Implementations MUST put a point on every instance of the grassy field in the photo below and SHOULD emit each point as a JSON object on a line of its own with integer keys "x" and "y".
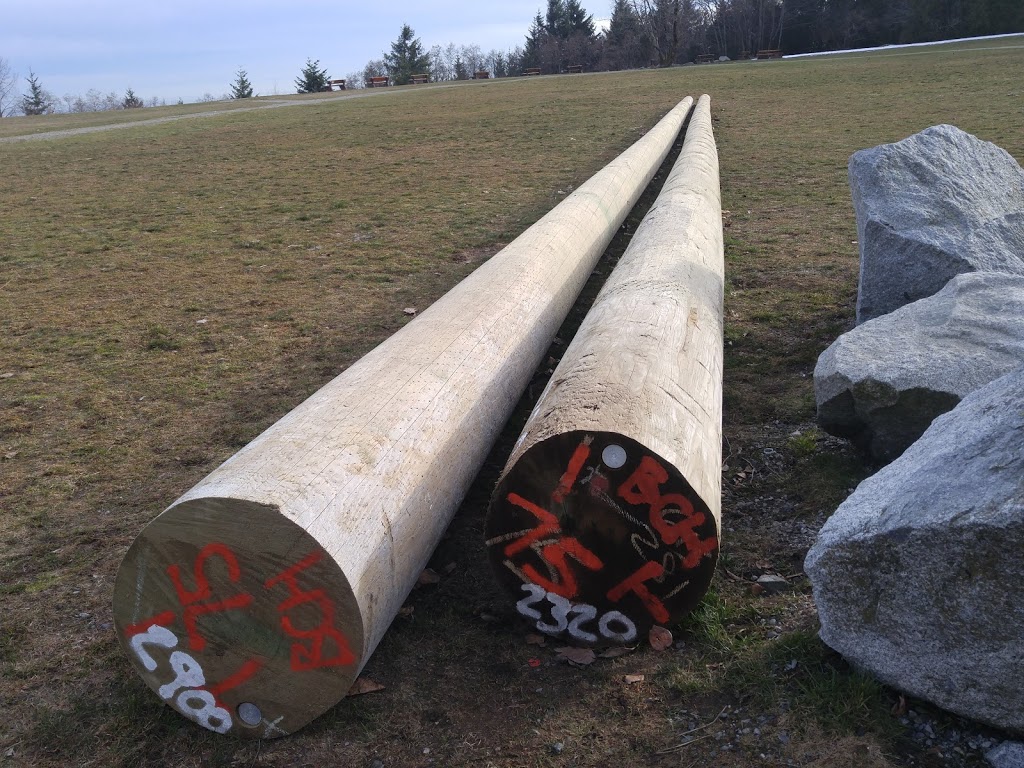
{"x": 168, "y": 291}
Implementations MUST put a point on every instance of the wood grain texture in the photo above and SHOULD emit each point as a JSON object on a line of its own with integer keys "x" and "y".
{"x": 610, "y": 504}
{"x": 253, "y": 601}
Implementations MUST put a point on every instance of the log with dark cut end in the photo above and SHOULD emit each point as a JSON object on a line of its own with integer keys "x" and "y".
{"x": 606, "y": 519}
{"x": 251, "y": 604}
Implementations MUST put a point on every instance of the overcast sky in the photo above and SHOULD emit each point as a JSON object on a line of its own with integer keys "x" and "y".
{"x": 186, "y": 48}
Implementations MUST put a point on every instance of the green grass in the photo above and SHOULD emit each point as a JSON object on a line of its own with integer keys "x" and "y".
{"x": 168, "y": 291}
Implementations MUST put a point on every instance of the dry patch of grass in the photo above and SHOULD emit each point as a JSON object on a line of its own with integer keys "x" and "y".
{"x": 168, "y": 291}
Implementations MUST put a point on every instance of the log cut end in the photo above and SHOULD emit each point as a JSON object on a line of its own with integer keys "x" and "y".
{"x": 599, "y": 538}
{"x": 238, "y": 618}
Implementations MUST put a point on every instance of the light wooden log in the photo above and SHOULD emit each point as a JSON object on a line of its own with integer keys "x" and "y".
{"x": 253, "y": 601}
{"x": 606, "y": 519}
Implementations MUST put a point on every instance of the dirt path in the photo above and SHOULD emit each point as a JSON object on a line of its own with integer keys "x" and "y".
{"x": 275, "y": 104}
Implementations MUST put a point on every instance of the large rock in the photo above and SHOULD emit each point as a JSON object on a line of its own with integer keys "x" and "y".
{"x": 884, "y": 382}
{"x": 932, "y": 206}
{"x": 919, "y": 575}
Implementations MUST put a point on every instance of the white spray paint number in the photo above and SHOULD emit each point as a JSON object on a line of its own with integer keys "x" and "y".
{"x": 570, "y": 617}
{"x": 193, "y": 702}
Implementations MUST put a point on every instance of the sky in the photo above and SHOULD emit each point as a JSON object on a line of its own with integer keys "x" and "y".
{"x": 184, "y": 49}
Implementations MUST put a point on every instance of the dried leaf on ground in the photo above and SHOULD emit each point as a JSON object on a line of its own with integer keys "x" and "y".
{"x": 429, "y": 576}
{"x": 535, "y": 640}
{"x": 581, "y": 657}
{"x": 364, "y": 685}
{"x": 409, "y": 311}
{"x": 659, "y": 638}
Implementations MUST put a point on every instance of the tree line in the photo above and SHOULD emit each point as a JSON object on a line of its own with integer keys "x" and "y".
{"x": 640, "y": 33}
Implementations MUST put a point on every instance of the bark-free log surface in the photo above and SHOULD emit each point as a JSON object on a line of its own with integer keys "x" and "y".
{"x": 252, "y": 602}
{"x": 606, "y": 519}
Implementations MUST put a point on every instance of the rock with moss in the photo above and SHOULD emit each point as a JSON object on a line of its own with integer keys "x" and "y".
{"x": 917, "y": 576}
{"x": 937, "y": 204}
{"x": 884, "y": 382}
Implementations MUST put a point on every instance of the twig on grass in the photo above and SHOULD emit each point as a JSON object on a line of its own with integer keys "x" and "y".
{"x": 683, "y": 745}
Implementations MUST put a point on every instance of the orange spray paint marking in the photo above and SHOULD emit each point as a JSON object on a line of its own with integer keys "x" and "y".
{"x": 190, "y": 598}
{"x": 565, "y": 484}
{"x": 310, "y": 656}
{"x": 635, "y": 583}
{"x": 161, "y": 619}
{"x": 246, "y": 671}
{"x": 548, "y": 525}
{"x": 556, "y": 555}
{"x": 644, "y": 487}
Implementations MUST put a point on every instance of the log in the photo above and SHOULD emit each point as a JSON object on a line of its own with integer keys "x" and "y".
{"x": 606, "y": 519}
{"x": 251, "y": 604}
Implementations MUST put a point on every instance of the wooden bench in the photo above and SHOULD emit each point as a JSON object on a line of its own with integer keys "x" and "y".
{"x": 377, "y": 82}
{"x": 332, "y": 84}
{"x": 769, "y": 54}
{"x": 419, "y": 79}
{"x": 575, "y": 69}
{"x": 531, "y": 71}
{"x": 705, "y": 58}
{"x": 482, "y": 75}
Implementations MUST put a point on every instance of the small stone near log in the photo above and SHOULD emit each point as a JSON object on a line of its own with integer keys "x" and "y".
{"x": 917, "y": 576}
{"x": 932, "y": 206}
{"x": 884, "y": 382}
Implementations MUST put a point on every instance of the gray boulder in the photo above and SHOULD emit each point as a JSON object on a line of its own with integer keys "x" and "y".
{"x": 919, "y": 575}
{"x": 932, "y": 206}
{"x": 884, "y": 382}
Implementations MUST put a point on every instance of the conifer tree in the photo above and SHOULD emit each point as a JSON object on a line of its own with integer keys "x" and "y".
{"x": 312, "y": 79}
{"x": 131, "y": 101}
{"x": 407, "y": 57}
{"x": 241, "y": 88}
{"x": 36, "y": 101}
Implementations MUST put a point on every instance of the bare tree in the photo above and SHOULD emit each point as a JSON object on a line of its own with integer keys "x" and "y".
{"x": 8, "y": 80}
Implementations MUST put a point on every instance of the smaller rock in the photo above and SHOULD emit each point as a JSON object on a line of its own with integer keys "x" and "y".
{"x": 1009, "y": 754}
{"x": 409, "y": 311}
{"x": 772, "y": 583}
{"x": 557, "y": 748}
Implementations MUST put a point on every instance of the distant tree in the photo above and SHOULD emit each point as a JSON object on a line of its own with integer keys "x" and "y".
{"x": 556, "y": 20}
{"x": 8, "y": 81}
{"x": 577, "y": 20}
{"x": 626, "y": 46}
{"x": 37, "y": 101}
{"x": 241, "y": 88}
{"x": 535, "y": 38}
{"x": 131, "y": 101}
{"x": 312, "y": 79}
{"x": 407, "y": 57}
{"x": 374, "y": 68}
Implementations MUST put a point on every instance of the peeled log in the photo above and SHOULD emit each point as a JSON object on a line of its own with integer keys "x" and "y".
{"x": 606, "y": 519}
{"x": 253, "y": 601}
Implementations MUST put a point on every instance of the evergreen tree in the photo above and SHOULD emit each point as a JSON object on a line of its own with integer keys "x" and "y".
{"x": 577, "y": 19}
{"x": 556, "y": 22}
{"x": 534, "y": 40}
{"x": 36, "y": 101}
{"x": 312, "y": 79}
{"x": 407, "y": 57}
{"x": 242, "y": 88}
{"x": 131, "y": 101}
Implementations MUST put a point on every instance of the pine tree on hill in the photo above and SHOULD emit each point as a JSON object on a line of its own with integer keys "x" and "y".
{"x": 36, "y": 101}
{"x": 407, "y": 57}
{"x": 131, "y": 101}
{"x": 242, "y": 88}
{"x": 312, "y": 79}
